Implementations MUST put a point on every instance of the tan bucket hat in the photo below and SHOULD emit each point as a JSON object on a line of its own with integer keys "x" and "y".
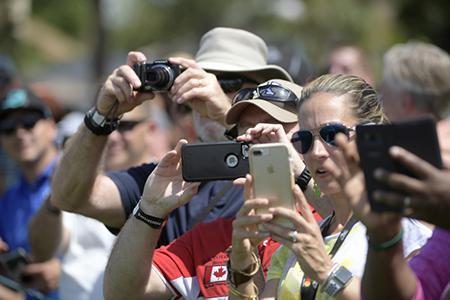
{"x": 225, "y": 49}
{"x": 284, "y": 114}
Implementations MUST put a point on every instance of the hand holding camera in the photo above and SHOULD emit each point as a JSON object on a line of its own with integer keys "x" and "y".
{"x": 118, "y": 94}
{"x": 201, "y": 90}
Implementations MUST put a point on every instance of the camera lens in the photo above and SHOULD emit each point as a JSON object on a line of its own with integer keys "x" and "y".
{"x": 231, "y": 160}
{"x": 160, "y": 77}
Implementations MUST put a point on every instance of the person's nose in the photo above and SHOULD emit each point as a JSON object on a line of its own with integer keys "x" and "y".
{"x": 318, "y": 148}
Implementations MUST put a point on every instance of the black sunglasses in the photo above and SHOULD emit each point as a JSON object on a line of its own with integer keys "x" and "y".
{"x": 27, "y": 121}
{"x": 125, "y": 126}
{"x": 276, "y": 94}
{"x": 303, "y": 139}
{"x": 231, "y": 84}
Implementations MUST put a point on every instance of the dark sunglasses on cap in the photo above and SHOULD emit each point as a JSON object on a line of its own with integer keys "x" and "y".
{"x": 27, "y": 121}
{"x": 276, "y": 94}
{"x": 231, "y": 84}
{"x": 126, "y": 125}
{"x": 303, "y": 139}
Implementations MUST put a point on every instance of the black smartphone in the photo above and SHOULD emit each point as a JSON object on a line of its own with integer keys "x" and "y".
{"x": 214, "y": 161}
{"x": 373, "y": 141}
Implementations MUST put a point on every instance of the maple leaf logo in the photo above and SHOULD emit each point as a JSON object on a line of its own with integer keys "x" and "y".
{"x": 220, "y": 272}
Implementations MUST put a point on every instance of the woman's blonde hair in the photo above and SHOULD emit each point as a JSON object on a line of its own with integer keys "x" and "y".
{"x": 363, "y": 99}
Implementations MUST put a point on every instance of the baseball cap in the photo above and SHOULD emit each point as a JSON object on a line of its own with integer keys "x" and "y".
{"x": 272, "y": 97}
{"x": 224, "y": 49}
{"x": 23, "y": 99}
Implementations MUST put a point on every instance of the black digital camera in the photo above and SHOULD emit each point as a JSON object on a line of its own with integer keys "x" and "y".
{"x": 157, "y": 76}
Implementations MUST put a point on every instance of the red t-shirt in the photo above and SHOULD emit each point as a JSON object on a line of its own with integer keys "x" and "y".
{"x": 194, "y": 265}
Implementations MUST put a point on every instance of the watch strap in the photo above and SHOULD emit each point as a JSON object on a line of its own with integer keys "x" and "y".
{"x": 303, "y": 179}
{"x": 99, "y": 124}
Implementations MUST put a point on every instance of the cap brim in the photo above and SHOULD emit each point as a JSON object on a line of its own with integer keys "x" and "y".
{"x": 267, "y": 72}
{"x": 8, "y": 111}
{"x": 275, "y": 111}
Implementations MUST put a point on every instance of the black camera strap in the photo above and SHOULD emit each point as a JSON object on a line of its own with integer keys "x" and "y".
{"x": 211, "y": 204}
{"x": 308, "y": 288}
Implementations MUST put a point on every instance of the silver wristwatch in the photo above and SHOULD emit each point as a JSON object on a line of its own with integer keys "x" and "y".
{"x": 337, "y": 280}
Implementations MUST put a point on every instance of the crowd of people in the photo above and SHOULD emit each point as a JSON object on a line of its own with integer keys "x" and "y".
{"x": 100, "y": 209}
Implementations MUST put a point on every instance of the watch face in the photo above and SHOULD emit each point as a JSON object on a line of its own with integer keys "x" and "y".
{"x": 343, "y": 275}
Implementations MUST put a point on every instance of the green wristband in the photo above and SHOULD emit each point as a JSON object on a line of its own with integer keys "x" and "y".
{"x": 388, "y": 244}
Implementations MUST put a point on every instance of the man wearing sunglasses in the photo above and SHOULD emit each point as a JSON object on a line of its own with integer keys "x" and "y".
{"x": 27, "y": 134}
{"x": 227, "y": 60}
{"x": 139, "y": 138}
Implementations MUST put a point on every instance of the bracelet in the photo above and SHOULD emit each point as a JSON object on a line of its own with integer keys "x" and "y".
{"x": 236, "y": 278}
{"x": 388, "y": 244}
{"x": 303, "y": 179}
{"x": 241, "y": 295}
{"x": 99, "y": 124}
{"x": 152, "y": 221}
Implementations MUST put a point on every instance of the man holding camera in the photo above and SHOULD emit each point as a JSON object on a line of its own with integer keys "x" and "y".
{"x": 228, "y": 55}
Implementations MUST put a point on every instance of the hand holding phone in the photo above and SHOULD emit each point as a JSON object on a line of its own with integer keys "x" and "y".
{"x": 272, "y": 177}
{"x": 373, "y": 141}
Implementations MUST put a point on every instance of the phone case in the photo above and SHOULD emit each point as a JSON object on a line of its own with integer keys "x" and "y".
{"x": 272, "y": 176}
{"x": 373, "y": 141}
{"x": 214, "y": 161}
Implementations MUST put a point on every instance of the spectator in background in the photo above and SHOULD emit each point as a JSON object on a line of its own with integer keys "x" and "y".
{"x": 82, "y": 243}
{"x": 27, "y": 133}
{"x": 139, "y": 139}
{"x": 8, "y": 81}
{"x": 416, "y": 82}
{"x": 350, "y": 60}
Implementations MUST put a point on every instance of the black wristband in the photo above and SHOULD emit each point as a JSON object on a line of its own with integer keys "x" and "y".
{"x": 303, "y": 179}
{"x": 153, "y": 222}
{"x": 98, "y": 124}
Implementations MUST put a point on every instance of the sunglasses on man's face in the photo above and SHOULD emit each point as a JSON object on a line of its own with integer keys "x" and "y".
{"x": 275, "y": 94}
{"x": 232, "y": 84}
{"x": 303, "y": 139}
{"x": 26, "y": 121}
{"x": 125, "y": 126}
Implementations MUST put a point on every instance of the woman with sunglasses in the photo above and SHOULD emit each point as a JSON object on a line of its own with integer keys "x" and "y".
{"x": 315, "y": 261}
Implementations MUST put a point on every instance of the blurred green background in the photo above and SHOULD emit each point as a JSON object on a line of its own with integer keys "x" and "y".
{"x": 70, "y": 46}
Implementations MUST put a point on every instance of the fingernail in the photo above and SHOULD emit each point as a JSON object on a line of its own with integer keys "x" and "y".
{"x": 394, "y": 150}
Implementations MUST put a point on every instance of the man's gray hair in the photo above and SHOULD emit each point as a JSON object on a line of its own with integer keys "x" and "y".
{"x": 423, "y": 71}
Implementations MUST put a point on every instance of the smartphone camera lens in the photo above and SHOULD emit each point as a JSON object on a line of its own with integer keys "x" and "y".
{"x": 231, "y": 160}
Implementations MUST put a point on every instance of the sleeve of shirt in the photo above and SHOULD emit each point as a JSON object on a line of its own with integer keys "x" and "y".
{"x": 432, "y": 264}
{"x": 415, "y": 235}
{"x": 277, "y": 263}
{"x": 131, "y": 185}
